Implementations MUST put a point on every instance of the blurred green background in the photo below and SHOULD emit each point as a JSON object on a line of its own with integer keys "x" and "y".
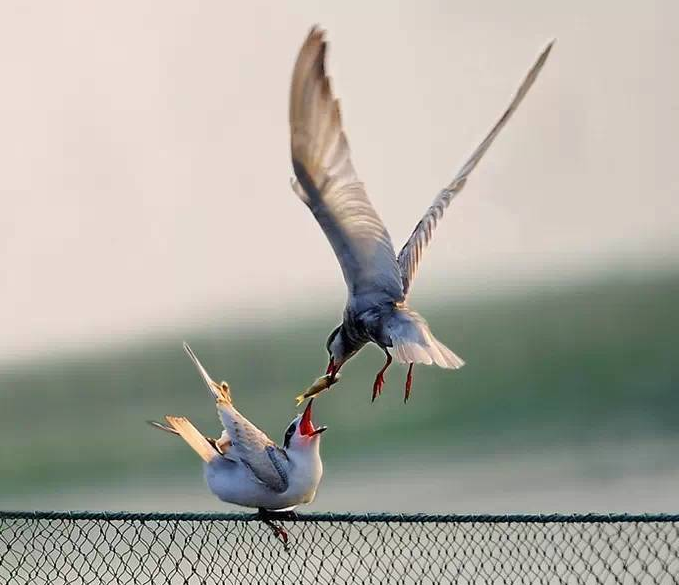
{"x": 577, "y": 383}
{"x": 145, "y": 201}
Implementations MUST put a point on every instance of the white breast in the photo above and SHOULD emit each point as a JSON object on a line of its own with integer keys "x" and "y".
{"x": 233, "y": 482}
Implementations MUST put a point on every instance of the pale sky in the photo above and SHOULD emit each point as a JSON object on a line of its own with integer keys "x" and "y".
{"x": 145, "y": 153}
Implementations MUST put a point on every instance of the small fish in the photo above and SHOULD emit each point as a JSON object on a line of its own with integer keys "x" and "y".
{"x": 320, "y": 385}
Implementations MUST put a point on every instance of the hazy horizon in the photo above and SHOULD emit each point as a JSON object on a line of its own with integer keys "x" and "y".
{"x": 146, "y": 163}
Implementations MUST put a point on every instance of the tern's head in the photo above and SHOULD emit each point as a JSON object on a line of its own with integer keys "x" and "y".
{"x": 301, "y": 435}
{"x": 339, "y": 349}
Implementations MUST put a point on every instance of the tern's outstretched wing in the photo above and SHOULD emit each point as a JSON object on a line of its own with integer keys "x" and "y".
{"x": 328, "y": 184}
{"x": 409, "y": 257}
{"x": 248, "y": 444}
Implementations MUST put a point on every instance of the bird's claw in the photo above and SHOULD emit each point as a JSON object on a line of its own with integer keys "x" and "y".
{"x": 282, "y": 535}
{"x": 279, "y": 532}
{"x": 378, "y": 385}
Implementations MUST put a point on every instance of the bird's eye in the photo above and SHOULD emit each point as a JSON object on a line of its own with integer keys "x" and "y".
{"x": 288, "y": 435}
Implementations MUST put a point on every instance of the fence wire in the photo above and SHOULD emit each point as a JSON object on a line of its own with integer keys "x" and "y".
{"x": 55, "y": 548}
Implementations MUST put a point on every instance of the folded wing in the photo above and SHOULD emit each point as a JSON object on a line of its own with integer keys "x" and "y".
{"x": 248, "y": 444}
{"x": 328, "y": 184}
{"x": 410, "y": 255}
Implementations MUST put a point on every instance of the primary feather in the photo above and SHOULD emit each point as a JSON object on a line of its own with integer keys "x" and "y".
{"x": 328, "y": 184}
{"x": 411, "y": 253}
{"x": 248, "y": 443}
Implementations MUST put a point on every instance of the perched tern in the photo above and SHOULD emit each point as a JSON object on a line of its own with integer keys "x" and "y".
{"x": 378, "y": 281}
{"x": 244, "y": 466}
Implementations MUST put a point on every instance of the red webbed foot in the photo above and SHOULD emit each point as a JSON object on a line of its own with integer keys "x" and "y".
{"x": 378, "y": 385}
{"x": 278, "y": 531}
{"x": 379, "y": 379}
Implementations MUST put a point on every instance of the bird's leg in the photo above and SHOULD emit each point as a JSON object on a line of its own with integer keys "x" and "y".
{"x": 379, "y": 379}
{"x": 409, "y": 382}
{"x": 279, "y": 532}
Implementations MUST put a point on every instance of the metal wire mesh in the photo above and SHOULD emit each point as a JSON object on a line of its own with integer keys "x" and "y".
{"x": 55, "y": 548}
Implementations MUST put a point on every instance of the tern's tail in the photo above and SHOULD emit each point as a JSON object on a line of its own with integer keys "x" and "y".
{"x": 221, "y": 392}
{"x": 183, "y": 427}
{"x": 414, "y": 343}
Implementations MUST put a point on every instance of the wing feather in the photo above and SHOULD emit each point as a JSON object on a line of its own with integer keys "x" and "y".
{"x": 248, "y": 443}
{"x": 195, "y": 439}
{"x": 328, "y": 184}
{"x": 410, "y": 255}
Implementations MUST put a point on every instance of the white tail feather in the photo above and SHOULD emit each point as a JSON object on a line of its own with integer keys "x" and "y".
{"x": 410, "y": 352}
{"x": 183, "y": 427}
{"x": 414, "y": 343}
{"x": 452, "y": 360}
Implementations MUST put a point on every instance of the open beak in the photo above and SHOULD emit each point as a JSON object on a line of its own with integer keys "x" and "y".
{"x": 306, "y": 427}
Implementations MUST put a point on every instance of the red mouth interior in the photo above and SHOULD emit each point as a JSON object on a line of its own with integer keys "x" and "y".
{"x": 306, "y": 427}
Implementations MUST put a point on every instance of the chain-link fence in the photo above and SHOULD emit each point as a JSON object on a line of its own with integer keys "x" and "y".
{"x": 55, "y": 548}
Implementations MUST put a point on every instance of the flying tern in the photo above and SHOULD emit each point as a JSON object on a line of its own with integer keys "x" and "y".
{"x": 378, "y": 280}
